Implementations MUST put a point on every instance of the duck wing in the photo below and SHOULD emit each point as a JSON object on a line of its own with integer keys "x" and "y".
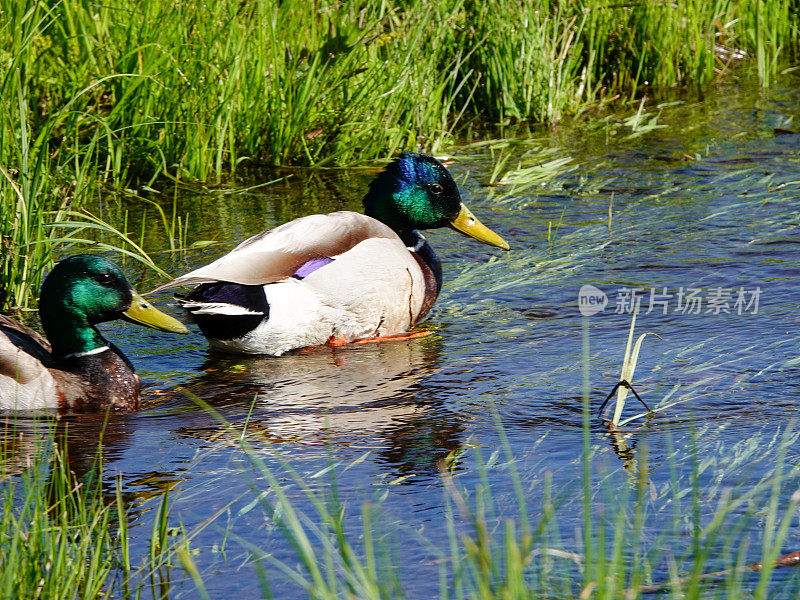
{"x": 26, "y": 382}
{"x": 276, "y": 254}
{"x": 24, "y": 353}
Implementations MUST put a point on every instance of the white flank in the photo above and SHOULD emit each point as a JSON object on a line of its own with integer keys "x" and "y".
{"x": 25, "y": 383}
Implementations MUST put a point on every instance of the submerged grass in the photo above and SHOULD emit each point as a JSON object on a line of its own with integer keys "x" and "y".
{"x": 690, "y": 537}
{"x": 61, "y": 536}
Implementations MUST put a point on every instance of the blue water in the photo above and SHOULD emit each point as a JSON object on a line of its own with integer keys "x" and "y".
{"x": 710, "y": 202}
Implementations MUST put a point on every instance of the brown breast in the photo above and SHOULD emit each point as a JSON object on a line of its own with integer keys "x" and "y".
{"x": 431, "y": 287}
{"x": 97, "y": 381}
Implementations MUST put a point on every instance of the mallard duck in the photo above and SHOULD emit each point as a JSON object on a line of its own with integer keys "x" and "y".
{"x": 76, "y": 369}
{"x": 335, "y": 278}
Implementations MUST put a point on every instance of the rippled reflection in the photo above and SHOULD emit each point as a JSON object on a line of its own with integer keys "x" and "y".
{"x": 361, "y": 395}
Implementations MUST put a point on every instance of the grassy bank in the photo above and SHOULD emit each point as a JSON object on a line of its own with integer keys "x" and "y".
{"x": 126, "y": 91}
{"x": 193, "y": 88}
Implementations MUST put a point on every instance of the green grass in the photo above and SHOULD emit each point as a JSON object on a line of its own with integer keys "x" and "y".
{"x": 193, "y": 88}
{"x": 690, "y": 537}
{"x": 53, "y": 551}
{"x": 61, "y": 536}
{"x": 103, "y": 95}
{"x": 697, "y": 535}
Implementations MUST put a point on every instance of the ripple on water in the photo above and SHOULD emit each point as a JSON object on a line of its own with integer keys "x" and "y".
{"x": 709, "y": 202}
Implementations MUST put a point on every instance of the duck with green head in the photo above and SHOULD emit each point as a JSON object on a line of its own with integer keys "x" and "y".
{"x": 339, "y": 277}
{"x": 75, "y": 368}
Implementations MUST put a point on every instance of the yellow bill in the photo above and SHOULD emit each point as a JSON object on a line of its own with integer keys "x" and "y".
{"x": 141, "y": 311}
{"x": 467, "y": 224}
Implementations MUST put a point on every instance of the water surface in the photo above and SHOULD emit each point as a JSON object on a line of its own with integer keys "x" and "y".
{"x": 709, "y": 201}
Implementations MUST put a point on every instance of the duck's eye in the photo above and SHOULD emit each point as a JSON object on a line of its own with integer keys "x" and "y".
{"x": 436, "y": 188}
{"x": 103, "y": 278}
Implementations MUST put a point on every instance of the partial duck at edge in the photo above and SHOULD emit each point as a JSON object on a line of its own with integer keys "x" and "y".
{"x": 75, "y": 368}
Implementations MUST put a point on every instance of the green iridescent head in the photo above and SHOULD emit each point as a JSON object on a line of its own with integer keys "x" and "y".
{"x": 416, "y": 191}
{"x": 84, "y": 290}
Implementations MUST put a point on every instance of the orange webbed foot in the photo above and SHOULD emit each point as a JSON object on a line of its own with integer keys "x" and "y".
{"x": 409, "y": 335}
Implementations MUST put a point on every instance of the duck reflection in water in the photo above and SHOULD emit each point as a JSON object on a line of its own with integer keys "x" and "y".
{"x": 73, "y": 453}
{"x": 370, "y": 396}
{"x": 357, "y": 397}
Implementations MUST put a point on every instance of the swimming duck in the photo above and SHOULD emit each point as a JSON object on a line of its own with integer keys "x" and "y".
{"x": 339, "y": 277}
{"x": 77, "y": 369}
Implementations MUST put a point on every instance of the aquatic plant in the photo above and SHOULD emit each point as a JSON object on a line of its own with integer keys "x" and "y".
{"x": 497, "y": 550}
{"x": 624, "y": 385}
{"x": 61, "y": 536}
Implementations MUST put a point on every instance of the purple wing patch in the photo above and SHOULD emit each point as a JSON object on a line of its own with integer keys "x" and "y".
{"x": 312, "y": 265}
